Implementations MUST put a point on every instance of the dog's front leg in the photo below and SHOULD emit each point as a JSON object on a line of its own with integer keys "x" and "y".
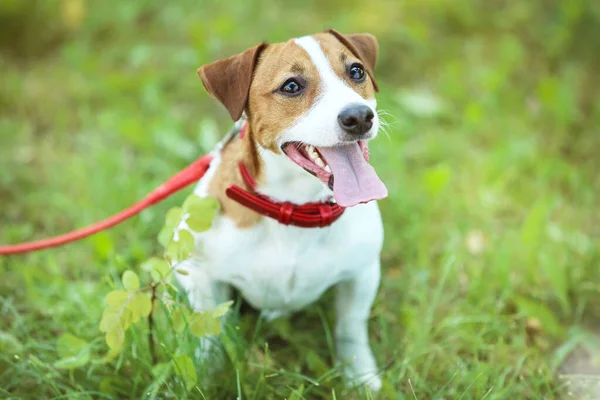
{"x": 204, "y": 293}
{"x": 353, "y": 305}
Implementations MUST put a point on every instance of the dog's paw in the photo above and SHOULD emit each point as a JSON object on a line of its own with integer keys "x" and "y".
{"x": 373, "y": 383}
{"x": 369, "y": 379}
{"x": 360, "y": 366}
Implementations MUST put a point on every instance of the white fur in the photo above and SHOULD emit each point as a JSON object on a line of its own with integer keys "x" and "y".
{"x": 281, "y": 269}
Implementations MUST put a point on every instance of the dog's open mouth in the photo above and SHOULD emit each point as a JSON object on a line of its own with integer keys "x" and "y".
{"x": 344, "y": 168}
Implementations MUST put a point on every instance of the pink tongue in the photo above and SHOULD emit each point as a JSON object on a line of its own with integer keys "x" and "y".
{"x": 354, "y": 180}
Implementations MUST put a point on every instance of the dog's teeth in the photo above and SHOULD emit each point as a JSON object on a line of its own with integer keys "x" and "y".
{"x": 320, "y": 162}
{"x": 313, "y": 155}
{"x": 327, "y": 168}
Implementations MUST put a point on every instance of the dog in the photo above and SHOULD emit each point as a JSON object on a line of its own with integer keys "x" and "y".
{"x": 298, "y": 197}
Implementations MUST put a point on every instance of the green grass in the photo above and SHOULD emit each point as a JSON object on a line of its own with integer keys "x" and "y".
{"x": 490, "y": 265}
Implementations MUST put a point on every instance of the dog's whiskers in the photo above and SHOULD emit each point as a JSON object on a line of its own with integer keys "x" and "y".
{"x": 384, "y": 123}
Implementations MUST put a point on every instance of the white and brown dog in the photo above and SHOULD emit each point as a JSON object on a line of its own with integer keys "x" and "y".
{"x": 309, "y": 111}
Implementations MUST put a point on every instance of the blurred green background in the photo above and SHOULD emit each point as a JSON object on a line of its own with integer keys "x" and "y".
{"x": 491, "y": 285}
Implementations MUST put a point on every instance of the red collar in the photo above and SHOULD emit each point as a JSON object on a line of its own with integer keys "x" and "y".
{"x": 309, "y": 215}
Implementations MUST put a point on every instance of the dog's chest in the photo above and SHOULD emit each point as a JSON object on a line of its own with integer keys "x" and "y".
{"x": 284, "y": 268}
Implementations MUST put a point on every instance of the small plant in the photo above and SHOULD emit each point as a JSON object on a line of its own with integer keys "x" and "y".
{"x": 135, "y": 302}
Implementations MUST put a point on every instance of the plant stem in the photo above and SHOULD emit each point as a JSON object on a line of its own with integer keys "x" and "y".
{"x": 151, "y": 327}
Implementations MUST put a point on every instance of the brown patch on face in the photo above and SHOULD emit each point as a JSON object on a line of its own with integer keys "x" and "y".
{"x": 341, "y": 58}
{"x": 269, "y": 111}
{"x": 362, "y": 45}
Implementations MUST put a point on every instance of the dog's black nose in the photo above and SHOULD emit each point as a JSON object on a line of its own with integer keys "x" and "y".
{"x": 356, "y": 119}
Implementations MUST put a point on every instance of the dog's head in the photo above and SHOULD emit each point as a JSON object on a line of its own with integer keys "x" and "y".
{"x": 313, "y": 99}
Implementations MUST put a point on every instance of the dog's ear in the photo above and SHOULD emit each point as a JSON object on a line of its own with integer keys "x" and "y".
{"x": 229, "y": 80}
{"x": 364, "y": 46}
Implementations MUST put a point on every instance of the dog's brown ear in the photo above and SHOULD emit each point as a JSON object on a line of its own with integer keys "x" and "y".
{"x": 229, "y": 80}
{"x": 364, "y": 46}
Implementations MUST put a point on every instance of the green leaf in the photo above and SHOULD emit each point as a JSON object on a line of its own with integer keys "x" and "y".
{"x": 550, "y": 323}
{"x": 131, "y": 281}
{"x": 73, "y": 362}
{"x": 201, "y": 206}
{"x": 161, "y": 370}
{"x": 165, "y": 236}
{"x": 186, "y": 243}
{"x": 110, "y": 318}
{"x": 199, "y": 223}
{"x": 126, "y": 318}
{"x": 203, "y": 323}
{"x": 182, "y": 248}
{"x": 180, "y": 318}
{"x": 221, "y": 309}
{"x": 117, "y": 298}
{"x": 159, "y": 269}
{"x": 75, "y": 352}
{"x": 140, "y": 306}
{"x": 69, "y": 345}
{"x": 192, "y": 203}
{"x": 184, "y": 368}
{"x": 135, "y": 315}
{"x": 171, "y": 221}
{"x": 172, "y": 252}
{"x": 115, "y": 337}
{"x": 173, "y": 217}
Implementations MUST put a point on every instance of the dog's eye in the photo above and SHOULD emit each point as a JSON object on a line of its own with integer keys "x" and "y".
{"x": 356, "y": 72}
{"x": 291, "y": 87}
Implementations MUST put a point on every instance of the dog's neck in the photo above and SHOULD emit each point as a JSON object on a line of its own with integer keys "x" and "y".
{"x": 280, "y": 178}
{"x": 283, "y": 180}
{"x": 275, "y": 175}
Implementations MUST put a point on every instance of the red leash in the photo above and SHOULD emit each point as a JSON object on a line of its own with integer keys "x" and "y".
{"x": 182, "y": 179}
{"x": 309, "y": 215}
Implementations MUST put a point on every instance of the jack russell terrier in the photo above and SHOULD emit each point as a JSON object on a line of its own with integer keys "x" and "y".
{"x": 296, "y": 159}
